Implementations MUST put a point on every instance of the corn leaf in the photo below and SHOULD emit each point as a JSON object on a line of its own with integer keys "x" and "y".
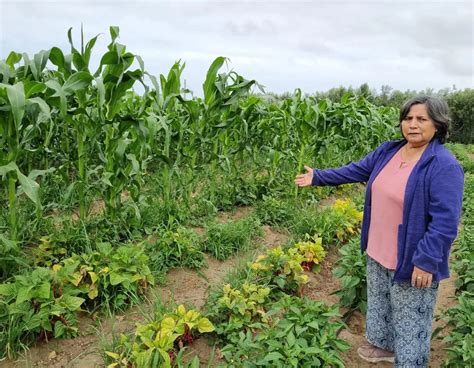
{"x": 16, "y": 97}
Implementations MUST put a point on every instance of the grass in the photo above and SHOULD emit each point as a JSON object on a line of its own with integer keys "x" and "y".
{"x": 224, "y": 240}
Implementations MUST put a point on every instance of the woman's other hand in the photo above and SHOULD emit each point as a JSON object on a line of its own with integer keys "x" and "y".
{"x": 304, "y": 180}
{"x": 420, "y": 278}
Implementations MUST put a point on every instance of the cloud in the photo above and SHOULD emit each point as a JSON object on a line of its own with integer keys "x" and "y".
{"x": 313, "y": 45}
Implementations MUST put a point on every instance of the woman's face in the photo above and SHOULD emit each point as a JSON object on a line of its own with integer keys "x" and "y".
{"x": 417, "y": 127}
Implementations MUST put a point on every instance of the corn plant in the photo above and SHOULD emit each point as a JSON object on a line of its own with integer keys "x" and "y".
{"x": 13, "y": 128}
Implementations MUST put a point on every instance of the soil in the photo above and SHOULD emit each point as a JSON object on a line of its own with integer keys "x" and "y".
{"x": 191, "y": 288}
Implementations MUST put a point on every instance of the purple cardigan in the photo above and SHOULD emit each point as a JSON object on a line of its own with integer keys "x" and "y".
{"x": 432, "y": 205}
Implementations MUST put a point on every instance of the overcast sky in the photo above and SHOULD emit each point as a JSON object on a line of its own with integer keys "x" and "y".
{"x": 312, "y": 45}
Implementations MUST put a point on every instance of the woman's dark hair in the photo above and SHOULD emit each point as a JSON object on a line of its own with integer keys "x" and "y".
{"x": 437, "y": 110}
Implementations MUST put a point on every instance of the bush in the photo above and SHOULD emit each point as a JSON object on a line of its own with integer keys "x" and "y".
{"x": 461, "y": 106}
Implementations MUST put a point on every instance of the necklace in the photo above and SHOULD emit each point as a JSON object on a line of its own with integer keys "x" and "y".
{"x": 405, "y": 162}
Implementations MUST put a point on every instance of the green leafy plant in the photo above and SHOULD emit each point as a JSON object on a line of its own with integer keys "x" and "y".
{"x": 36, "y": 306}
{"x": 351, "y": 269}
{"x": 175, "y": 248}
{"x": 281, "y": 270}
{"x": 312, "y": 251}
{"x": 112, "y": 277}
{"x": 157, "y": 343}
{"x": 303, "y": 334}
{"x": 460, "y": 340}
{"x": 240, "y": 309}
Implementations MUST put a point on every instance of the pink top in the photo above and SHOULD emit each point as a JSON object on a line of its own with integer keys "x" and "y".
{"x": 388, "y": 192}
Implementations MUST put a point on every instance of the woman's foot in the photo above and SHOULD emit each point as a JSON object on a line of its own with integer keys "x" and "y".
{"x": 373, "y": 354}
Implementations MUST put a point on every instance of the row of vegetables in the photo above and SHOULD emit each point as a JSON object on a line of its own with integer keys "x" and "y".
{"x": 261, "y": 317}
{"x": 44, "y": 303}
{"x": 460, "y": 318}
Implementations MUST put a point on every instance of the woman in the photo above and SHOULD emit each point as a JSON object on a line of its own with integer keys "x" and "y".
{"x": 411, "y": 214}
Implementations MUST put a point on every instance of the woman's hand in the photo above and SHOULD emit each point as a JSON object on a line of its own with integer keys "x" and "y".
{"x": 420, "y": 278}
{"x": 304, "y": 180}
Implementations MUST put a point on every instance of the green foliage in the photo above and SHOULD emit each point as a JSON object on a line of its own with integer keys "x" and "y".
{"x": 303, "y": 333}
{"x": 240, "y": 309}
{"x": 275, "y": 211}
{"x": 36, "y": 305}
{"x": 202, "y": 210}
{"x": 464, "y": 154}
{"x": 460, "y": 340}
{"x": 148, "y": 157}
{"x": 464, "y": 264}
{"x": 460, "y": 102}
{"x": 464, "y": 249}
{"x": 281, "y": 270}
{"x": 157, "y": 343}
{"x": 12, "y": 258}
{"x": 175, "y": 248}
{"x": 110, "y": 277}
{"x": 335, "y": 224}
{"x": 461, "y": 106}
{"x": 224, "y": 240}
{"x": 351, "y": 270}
{"x": 312, "y": 251}
{"x": 48, "y": 253}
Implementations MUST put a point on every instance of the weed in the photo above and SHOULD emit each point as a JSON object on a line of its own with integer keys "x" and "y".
{"x": 224, "y": 240}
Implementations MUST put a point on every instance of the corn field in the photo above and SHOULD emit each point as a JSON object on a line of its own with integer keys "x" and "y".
{"x": 95, "y": 138}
